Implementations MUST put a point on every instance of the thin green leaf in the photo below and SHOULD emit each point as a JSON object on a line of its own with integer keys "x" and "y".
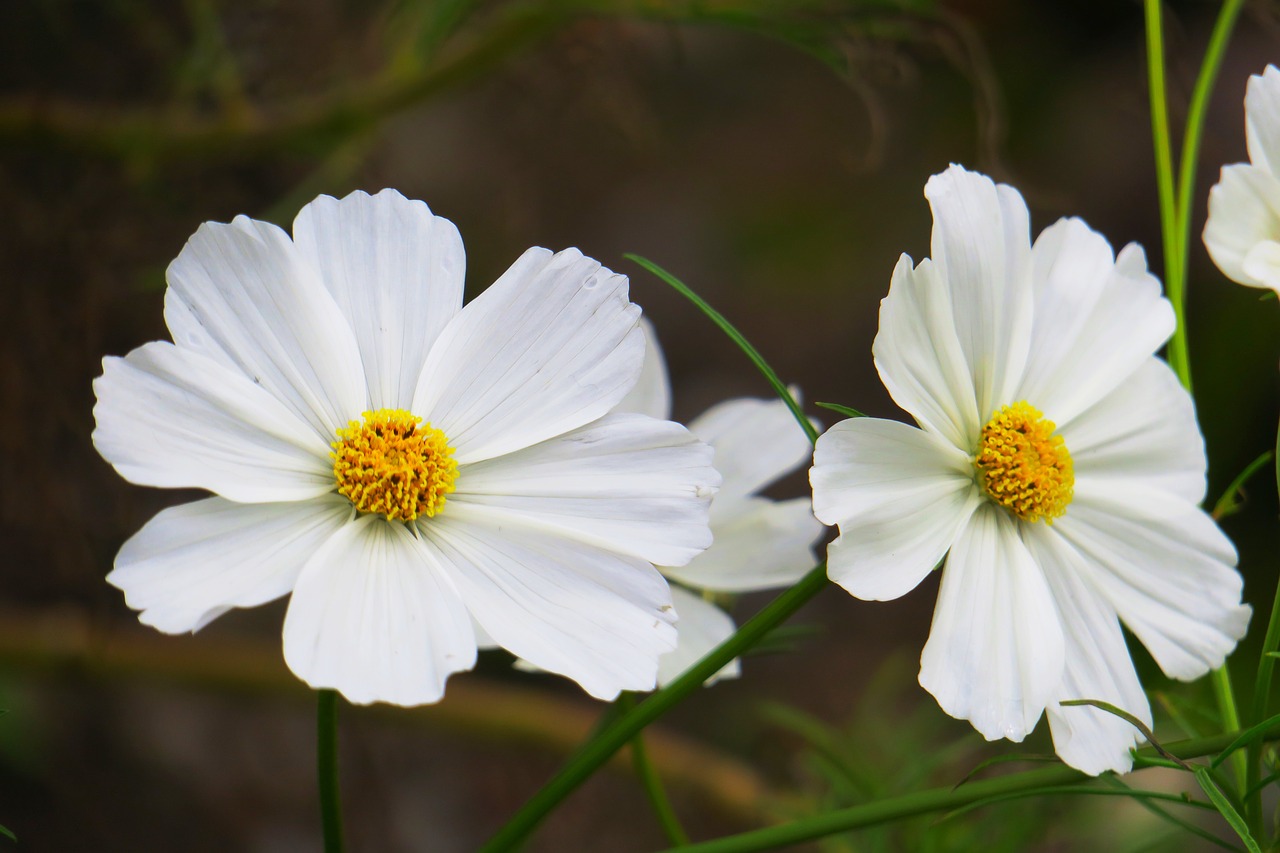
{"x": 1233, "y": 498}
{"x": 839, "y": 409}
{"x": 1260, "y": 784}
{"x": 1078, "y": 790}
{"x": 1224, "y": 807}
{"x": 1249, "y": 736}
{"x": 1006, "y": 759}
{"x": 8, "y": 834}
{"x": 1133, "y": 721}
{"x": 734, "y": 335}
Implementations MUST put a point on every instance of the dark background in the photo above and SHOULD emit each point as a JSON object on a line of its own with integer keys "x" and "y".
{"x": 772, "y": 155}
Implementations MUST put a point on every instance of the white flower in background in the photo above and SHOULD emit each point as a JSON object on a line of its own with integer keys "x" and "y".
{"x": 759, "y": 543}
{"x": 1243, "y": 230}
{"x": 398, "y": 463}
{"x": 1058, "y": 467}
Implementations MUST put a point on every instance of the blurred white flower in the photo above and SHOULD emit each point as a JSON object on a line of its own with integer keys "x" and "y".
{"x": 759, "y": 543}
{"x": 400, "y": 464}
{"x": 1058, "y": 467}
{"x": 1242, "y": 233}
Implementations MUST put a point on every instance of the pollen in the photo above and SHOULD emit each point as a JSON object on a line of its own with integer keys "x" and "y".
{"x": 394, "y": 465}
{"x": 1023, "y": 466}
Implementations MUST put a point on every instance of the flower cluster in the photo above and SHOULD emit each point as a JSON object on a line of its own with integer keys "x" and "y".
{"x": 425, "y": 478}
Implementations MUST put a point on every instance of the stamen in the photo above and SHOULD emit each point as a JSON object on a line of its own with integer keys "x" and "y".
{"x": 1023, "y": 466}
{"x": 394, "y": 465}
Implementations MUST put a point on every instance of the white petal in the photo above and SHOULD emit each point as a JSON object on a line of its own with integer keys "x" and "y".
{"x": 192, "y": 563}
{"x": 995, "y": 650}
{"x": 1262, "y": 119}
{"x": 1244, "y": 212}
{"x": 900, "y": 496}
{"x": 982, "y": 248}
{"x": 652, "y": 394}
{"x": 1098, "y": 665}
{"x": 756, "y": 442}
{"x": 702, "y": 627}
{"x": 1165, "y": 567}
{"x": 553, "y": 344}
{"x": 598, "y": 618}
{"x": 1145, "y": 429}
{"x": 919, "y": 358}
{"x": 762, "y": 545}
{"x": 1096, "y": 319}
{"x": 396, "y": 272}
{"x": 375, "y": 618}
{"x": 241, "y": 294}
{"x": 169, "y": 417}
{"x": 627, "y": 483}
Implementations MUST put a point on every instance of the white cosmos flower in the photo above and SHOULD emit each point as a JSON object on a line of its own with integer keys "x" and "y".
{"x": 1058, "y": 467}
{"x": 1242, "y": 233}
{"x": 400, "y": 464}
{"x": 759, "y": 543}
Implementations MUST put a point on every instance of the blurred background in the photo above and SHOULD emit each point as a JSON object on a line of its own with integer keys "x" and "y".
{"x": 771, "y": 154}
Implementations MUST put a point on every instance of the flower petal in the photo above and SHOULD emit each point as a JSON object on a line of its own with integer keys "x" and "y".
{"x": 702, "y": 627}
{"x": 756, "y": 442}
{"x": 395, "y": 271}
{"x": 170, "y": 417}
{"x": 1244, "y": 212}
{"x": 552, "y": 345}
{"x": 900, "y": 495}
{"x": 242, "y": 295}
{"x": 626, "y": 483}
{"x": 1097, "y": 319}
{"x": 982, "y": 248}
{"x": 1098, "y": 665}
{"x": 565, "y": 607}
{"x": 762, "y": 545}
{"x": 1165, "y": 567}
{"x": 1262, "y": 119}
{"x": 652, "y": 393}
{"x": 1145, "y": 429}
{"x": 919, "y": 357}
{"x": 193, "y": 562}
{"x": 995, "y": 652}
{"x": 375, "y": 618}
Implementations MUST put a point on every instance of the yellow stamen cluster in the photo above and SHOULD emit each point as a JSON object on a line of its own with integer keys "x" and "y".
{"x": 1023, "y": 466}
{"x": 391, "y": 465}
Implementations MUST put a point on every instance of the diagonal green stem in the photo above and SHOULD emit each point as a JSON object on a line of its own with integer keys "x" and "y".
{"x": 327, "y": 769}
{"x": 597, "y": 751}
{"x": 657, "y": 795}
{"x": 891, "y": 809}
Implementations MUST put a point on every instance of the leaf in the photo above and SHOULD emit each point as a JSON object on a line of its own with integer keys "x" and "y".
{"x": 1224, "y": 807}
{"x": 1233, "y": 498}
{"x": 1247, "y": 737}
{"x": 842, "y": 410}
{"x": 8, "y": 834}
{"x": 1006, "y": 759}
{"x": 1185, "y": 825}
{"x": 1133, "y": 721}
{"x": 734, "y": 335}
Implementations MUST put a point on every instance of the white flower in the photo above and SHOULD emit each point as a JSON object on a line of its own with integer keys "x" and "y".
{"x": 1243, "y": 230}
{"x": 398, "y": 463}
{"x": 1058, "y": 467}
{"x": 759, "y": 543}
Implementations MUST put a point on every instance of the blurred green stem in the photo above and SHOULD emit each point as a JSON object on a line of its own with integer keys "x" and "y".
{"x": 1252, "y": 792}
{"x": 1175, "y": 226}
{"x": 327, "y": 769}
{"x": 653, "y": 789}
{"x": 1048, "y": 780}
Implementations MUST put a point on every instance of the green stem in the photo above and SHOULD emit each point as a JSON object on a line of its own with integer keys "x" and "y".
{"x": 1252, "y": 791}
{"x": 944, "y": 799}
{"x": 597, "y": 751}
{"x": 1178, "y": 359}
{"x": 649, "y": 778}
{"x": 327, "y": 769}
{"x": 1175, "y": 225}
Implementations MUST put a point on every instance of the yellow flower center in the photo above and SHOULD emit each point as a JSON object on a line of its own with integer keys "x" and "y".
{"x": 391, "y": 465}
{"x": 1023, "y": 466}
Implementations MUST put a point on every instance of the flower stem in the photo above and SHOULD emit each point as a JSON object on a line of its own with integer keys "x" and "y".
{"x": 327, "y": 769}
{"x": 1175, "y": 226}
{"x": 657, "y": 796}
{"x": 600, "y": 748}
{"x": 1252, "y": 792}
{"x": 1049, "y": 780}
